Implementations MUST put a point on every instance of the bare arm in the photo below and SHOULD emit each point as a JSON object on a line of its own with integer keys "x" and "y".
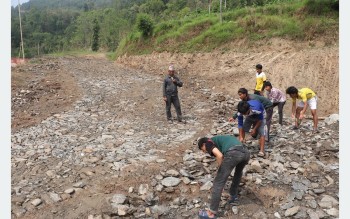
{"x": 219, "y": 156}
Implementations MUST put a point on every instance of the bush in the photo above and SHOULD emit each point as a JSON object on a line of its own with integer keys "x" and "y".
{"x": 320, "y": 7}
{"x": 145, "y": 24}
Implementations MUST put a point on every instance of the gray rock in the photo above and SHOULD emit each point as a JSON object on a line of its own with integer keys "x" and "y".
{"x": 36, "y": 202}
{"x": 118, "y": 199}
{"x": 55, "y": 197}
{"x": 170, "y": 181}
{"x": 332, "y": 119}
{"x": 172, "y": 173}
{"x": 312, "y": 214}
{"x": 143, "y": 189}
{"x": 69, "y": 191}
{"x": 333, "y": 212}
{"x": 291, "y": 211}
{"x": 79, "y": 185}
{"x": 159, "y": 209}
{"x": 328, "y": 202}
{"x": 207, "y": 186}
{"x": 234, "y": 209}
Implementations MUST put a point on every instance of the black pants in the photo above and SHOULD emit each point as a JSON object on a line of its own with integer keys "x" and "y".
{"x": 269, "y": 112}
{"x": 280, "y": 111}
{"x": 174, "y": 100}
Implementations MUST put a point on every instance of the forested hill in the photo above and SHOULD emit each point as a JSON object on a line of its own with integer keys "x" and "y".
{"x": 143, "y": 26}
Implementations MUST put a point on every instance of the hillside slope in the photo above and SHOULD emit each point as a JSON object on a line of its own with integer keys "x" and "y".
{"x": 286, "y": 63}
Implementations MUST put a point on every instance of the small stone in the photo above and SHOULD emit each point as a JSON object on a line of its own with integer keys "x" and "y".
{"x": 170, "y": 181}
{"x": 172, "y": 173}
{"x": 69, "y": 191}
{"x": 36, "y": 202}
{"x": 143, "y": 189}
{"x": 277, "y": 215}
{"x": 234, "y": 209}
{"x": 206, "y": 186}
{"x": 333, "y": 212}
{"x": 118, "y": 199}
{"x": 55, "y": 197}
{"x": 291, "y": 211}
{"x": 79, "y": 185}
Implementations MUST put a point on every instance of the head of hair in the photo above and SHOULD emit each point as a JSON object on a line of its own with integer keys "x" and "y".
{"x": 266, "y": 83}
{"x": 258, "y": 66}
{"x": 292, "y": 90}
{"x": 201, "y": 141}
{"x": 243, "y": 107}
{"x": 242, "y": 91}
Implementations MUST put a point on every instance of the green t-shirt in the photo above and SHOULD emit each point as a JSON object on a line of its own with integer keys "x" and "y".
{"x": 224, "y": 142}
{"x": 263, "y": 100}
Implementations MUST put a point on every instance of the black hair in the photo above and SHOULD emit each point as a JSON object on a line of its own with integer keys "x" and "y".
{"x": 243, "y": 107}
{"x": 266, "y": 83}
{"x": 291, "y": 90}
{"x": 242, "y": 91}
{"x": 258, "y": 66}
{"x": 201, "y": 141}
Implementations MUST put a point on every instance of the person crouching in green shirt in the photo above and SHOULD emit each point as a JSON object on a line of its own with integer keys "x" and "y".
{"x": 229, "y": 153}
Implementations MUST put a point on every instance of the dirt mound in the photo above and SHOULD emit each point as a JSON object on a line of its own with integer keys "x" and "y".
{"x": 285, "y": 63}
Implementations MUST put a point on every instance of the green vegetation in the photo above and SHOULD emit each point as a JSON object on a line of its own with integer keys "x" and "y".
{"x": 144, "y": 26}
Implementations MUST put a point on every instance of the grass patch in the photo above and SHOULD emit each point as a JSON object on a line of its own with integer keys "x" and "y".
{"x": 295, "y": 20}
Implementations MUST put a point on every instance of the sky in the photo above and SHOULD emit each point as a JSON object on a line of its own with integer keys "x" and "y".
{"x": 14, "y": 3}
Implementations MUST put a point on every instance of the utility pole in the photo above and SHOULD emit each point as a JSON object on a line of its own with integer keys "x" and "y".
{"x": 20, "y": 27}
{"x": 220, "y": 11}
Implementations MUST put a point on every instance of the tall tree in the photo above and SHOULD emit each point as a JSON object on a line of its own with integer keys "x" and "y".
{"x": 95, "y": 36}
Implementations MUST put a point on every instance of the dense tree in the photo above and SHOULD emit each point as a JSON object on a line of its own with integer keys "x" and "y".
{"x": 96, "y": 36}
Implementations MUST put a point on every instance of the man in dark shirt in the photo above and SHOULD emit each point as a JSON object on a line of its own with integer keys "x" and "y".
{"x": 170, "y": 94}
{"x": 230, "y": 153}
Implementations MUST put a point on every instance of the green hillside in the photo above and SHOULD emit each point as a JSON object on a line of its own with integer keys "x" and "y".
{"x": 144, "y": 26}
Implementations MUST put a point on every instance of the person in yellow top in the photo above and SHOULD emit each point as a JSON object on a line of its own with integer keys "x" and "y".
{"x": 260, "y": 80}
{"x": 307, "y": 97}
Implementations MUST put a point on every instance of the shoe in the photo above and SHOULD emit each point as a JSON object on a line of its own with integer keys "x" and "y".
{"x": 170, "y": 121}
{"x": 203, "y": 214}
{"x": 233, "y": 200}
{"x": 314, "y": 131}
{"x": 261, "y": 154}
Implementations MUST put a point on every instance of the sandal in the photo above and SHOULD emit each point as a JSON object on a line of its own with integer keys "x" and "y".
{"x": 261, "y": 154}
{"x": 203, "y": 214}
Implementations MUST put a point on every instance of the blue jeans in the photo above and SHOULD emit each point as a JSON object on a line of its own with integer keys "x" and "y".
{"x": 232, "y": 159}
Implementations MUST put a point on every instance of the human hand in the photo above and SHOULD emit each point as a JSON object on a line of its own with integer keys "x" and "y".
{"x": 164, "y": 98}
{"x": 253, "y": 132}
{"x": 301, "y": 115}
{"x": 231, "y": 119}
{"x": 293, "y": 115}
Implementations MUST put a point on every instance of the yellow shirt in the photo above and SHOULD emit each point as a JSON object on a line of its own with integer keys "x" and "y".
{"x": 260, "y": 78}
{"x": 305, "y": 94}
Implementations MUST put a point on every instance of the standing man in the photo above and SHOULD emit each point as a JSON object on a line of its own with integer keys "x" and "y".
{"x": 267, "y": 104}
{"x": 170, "y": 94}
{"x": 277, "y": 97}
{"x": 229, "y": 153}
{"x": 260, "y": 80}
{"x": 307, "y": 97}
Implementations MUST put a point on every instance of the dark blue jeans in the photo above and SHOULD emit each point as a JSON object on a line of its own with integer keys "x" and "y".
{"x": 232, "y": 159}
{"x": 173, "y": 100}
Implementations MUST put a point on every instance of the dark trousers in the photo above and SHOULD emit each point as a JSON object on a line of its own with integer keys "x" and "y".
{"x": 269, "y": 112}
{"x": 280, "y": 111}
{"x": 232, "y": 159}
{"x": 174, "y": 100}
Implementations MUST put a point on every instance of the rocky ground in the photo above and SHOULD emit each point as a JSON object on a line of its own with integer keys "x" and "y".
{"x": 90, "y": 140}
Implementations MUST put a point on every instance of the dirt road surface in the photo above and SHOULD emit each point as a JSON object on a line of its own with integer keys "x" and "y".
{"x": 85, "y": 128}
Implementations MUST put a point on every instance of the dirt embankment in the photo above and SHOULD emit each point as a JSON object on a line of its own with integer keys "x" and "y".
{"x": 285, "y": 63}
